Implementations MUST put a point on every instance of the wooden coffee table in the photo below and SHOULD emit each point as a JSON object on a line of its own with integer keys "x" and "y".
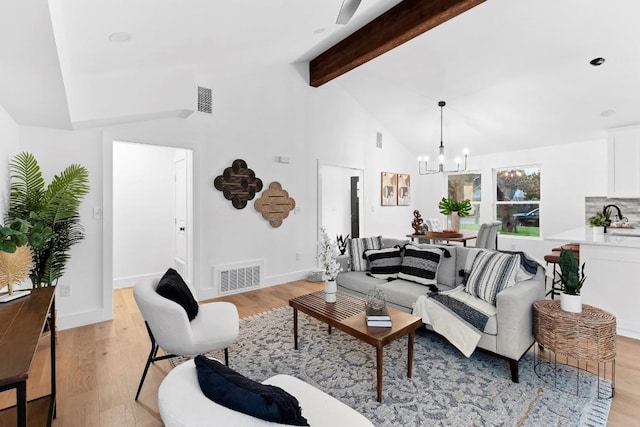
{"x": 347, "y": 315}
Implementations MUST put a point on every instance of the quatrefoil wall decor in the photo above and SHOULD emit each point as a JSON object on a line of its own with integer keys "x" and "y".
{"x": 238, "y": 183}
{"x": 275, "y": 204}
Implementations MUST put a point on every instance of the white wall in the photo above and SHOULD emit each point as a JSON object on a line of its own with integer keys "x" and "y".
{"x": 9, "y": 146}
{"x": 259, "y": 114}
{"x": 143, "y": 211}
{"x": 55, "y": 150}
{"x": 569, "y": 172}
{"x": 341, "y": 133}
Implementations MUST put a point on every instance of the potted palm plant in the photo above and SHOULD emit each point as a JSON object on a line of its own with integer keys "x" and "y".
{"x": 456, "y": 209}
{"x": 572, "y": 278}
{"x": 51, "y": 212}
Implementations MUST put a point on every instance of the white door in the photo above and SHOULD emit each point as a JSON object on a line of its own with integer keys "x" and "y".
{"x": 181, "y": 217}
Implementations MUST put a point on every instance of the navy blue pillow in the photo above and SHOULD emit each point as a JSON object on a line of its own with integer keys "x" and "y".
{"x": 226, "y": 387}
{"x": 172, "y": 286}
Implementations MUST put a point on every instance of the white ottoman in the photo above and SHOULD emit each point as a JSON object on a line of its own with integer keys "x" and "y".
{"x": 182, "y": 403}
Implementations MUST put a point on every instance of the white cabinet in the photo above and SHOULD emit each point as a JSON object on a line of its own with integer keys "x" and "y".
{"x": 624, "y": 162}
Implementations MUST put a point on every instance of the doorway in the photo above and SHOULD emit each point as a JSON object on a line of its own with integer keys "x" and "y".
{"x": 152, "y": 212}
{"x": 340, "y": 200}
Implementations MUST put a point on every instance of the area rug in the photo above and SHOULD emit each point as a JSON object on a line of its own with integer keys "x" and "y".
{"x": 446, "y": 389}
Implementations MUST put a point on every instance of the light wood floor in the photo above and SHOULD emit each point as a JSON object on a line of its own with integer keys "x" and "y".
{"x": 99, "y": 366}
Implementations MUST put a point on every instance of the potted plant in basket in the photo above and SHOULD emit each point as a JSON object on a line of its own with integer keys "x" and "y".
{"x": 599, "y": 222}
{"x": 327, "y": 254}
{"x": 572, "y": 278}
{"x": 456, "y": 209}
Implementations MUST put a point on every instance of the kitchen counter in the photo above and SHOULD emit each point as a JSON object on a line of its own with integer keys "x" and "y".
{"x": 612, "y": 262}
{"x": 619, "y": 237}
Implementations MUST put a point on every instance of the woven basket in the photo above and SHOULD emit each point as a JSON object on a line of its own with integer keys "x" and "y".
{"x": 586, "y": 336}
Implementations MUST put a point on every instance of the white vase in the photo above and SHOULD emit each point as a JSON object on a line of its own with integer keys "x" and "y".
{"x": 571, "y": 303}
{"x": 330, "y": 290}
{"x": 598, "y": 231}
{"x": 455, "y": 221}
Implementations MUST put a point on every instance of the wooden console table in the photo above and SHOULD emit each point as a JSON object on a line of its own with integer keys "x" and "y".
{"x": 21, "y": 324}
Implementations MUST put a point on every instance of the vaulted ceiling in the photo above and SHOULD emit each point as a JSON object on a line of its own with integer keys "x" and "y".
{"x": 514, "y": 73}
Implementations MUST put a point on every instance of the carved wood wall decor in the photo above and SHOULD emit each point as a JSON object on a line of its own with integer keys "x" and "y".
{"x": 238, "y": 183}
{"x": 275, "y": 204}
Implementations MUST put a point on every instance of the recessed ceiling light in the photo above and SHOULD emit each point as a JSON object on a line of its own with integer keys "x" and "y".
{"x": 608, "y": 113}
{"x": 597, "y": 61}
{"x": 122, "y": 37}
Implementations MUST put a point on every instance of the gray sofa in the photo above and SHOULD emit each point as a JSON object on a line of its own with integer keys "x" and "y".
{"x": 509, "y": 333}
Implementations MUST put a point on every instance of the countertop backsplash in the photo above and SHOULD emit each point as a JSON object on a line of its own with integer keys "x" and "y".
{"x": 630, "y": 208}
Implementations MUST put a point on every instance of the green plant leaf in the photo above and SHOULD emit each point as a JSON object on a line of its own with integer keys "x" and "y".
{"x": 49, "y": 217}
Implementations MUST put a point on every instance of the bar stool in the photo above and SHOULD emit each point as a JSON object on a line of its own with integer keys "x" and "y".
{"x": 554, "y": 258}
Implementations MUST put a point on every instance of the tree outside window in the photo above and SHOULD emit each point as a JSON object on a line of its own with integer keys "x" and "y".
{"x": 466, "y": 186}
{"x": 518, "y": 200}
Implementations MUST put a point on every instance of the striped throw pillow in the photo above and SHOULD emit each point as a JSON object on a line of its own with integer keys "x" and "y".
{"x": 384, "y": 263}
{"x": 491, "y": 273}
{"x": 420, "y": 265}
{"x": 357, "y": 248}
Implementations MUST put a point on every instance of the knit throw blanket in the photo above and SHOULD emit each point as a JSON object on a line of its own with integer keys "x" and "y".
{"x": 456, "y": 315}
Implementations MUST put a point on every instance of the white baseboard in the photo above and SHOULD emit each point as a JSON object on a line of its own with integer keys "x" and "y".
{"x": 130, "y": 281}
{"x": 81, "y": 318}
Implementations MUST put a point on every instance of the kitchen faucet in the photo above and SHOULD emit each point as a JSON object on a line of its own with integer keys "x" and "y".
{"x": 605, "y": 211}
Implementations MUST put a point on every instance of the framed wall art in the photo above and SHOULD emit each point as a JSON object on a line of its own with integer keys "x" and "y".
{"x": 404, "y": 189}
{"x": 388, "y": 189}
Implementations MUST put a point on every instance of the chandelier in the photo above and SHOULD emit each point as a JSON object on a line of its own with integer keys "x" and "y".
{"x": 423, "y": 165}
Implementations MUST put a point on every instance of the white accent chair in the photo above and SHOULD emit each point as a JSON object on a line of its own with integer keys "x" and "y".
{"x": 215, "y": 327}
{"x": 182, "y": 404}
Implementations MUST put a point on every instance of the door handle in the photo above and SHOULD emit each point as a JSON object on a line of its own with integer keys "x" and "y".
{"x": 181, "y": 228}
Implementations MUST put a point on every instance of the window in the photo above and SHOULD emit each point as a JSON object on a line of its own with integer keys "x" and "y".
{"x": 466, "y": 186}
{"x": 518, "y": 200}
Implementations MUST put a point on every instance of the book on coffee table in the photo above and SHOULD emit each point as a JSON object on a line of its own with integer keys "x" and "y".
{"x": 375, "y": 323}
{"x": 378, "y": 318}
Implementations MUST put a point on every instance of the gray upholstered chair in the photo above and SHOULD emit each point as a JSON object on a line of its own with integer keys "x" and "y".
{"x": 215, "y": 327}
{"x": 488, "y": 235}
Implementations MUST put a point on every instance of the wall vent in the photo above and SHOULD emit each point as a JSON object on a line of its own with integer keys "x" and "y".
{"x": 238, "y": 277}
{"x": 379, "y": 139}
{"x": 204, "y": 100}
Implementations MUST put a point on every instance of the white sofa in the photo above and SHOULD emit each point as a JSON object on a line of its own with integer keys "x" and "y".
{"x": 509, "y": 333}
{"x": 182, "y": 403}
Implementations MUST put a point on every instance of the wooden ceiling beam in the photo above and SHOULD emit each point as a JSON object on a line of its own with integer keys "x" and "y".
{"x": 396, "y": 26}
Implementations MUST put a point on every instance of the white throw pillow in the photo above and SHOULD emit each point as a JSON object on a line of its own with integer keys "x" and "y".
{"x": 491, "y": 273}
{"x": 356, "y": 251}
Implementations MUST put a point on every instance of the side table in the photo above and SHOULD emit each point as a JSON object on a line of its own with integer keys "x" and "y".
{"x": 588, "y": 337}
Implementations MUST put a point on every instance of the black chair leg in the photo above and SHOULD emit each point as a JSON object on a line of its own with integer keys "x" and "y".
{"x": 226, "y": 356}
{"x": 153, "y": 357}
{"x": 154, "y": 349}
